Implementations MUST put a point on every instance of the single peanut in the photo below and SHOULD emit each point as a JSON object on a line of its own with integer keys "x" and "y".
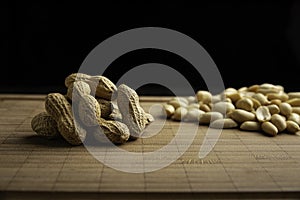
{"x": 241, "y": 116}
{"x": 251, "y": 126}
{"x": 204, "y": 96}
{"x": 281, "y": 96}
{"x": 293, "y": 95}
{"x": 117, "y": 132}
{"x": 106, "y": 107}
{"x": 245, "y": 104}
{"x": 292, "y": 126}
{"x": 193, "y": 115}
{"x": 285, "y": 109}
{"x": 133, "y": 114}
{"x": 209, "y": 117}
{"x": 269, "y": 128}
{"x": 279, "y": 122}
{"x": 44, "y": 125}
{"x": 263, "y": 114}
{"x": 179, "y": 114}
{"x": 223, "y": 123}
{"x": 168, "y": 109}
{"x": 223, "y": 107}
{"x": 274, "y": 109}
{"x": 294, "y": 102}
{"x": 294, "y": 117}
{"x": 77, "y": 89}
{"x": 89, "y": 110}
{"x": 204, "y": 107}
{"x": 60, "y": 109}
{"x": 263, "y": 100}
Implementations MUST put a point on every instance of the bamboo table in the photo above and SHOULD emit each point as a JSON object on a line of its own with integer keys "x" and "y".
{"x": 241, "y": 165}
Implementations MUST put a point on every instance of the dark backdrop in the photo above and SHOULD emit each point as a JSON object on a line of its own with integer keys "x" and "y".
{"x": 251, "y": 42}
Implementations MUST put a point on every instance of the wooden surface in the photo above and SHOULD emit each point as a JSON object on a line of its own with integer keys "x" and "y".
{"x": 242, "y": 164}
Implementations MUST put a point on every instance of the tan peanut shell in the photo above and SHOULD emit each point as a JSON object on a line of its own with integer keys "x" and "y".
{"x": 100, "y": 86}
{"x": 106, "y": 107}
{"x": 223, "y": 123}
{"x": 77, "y": 89}
{"x": 269, "y": 128}
{"x": 117, "y": 132}
{"x": 60, "y": 109}
{"x": 133, "y": 114}
{"x": 44, "y": 125}
{"x": 251, "y": 126}
{"x": 89, "y": 110}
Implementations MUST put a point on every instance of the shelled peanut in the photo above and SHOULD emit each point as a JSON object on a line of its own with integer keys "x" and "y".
{"x": 265, "y": 108}
{"x": 92, "y": 105}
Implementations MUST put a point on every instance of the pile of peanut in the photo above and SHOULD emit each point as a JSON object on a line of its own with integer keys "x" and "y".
{"x": 92, "y": 105}
{"x": 266, "y": 108}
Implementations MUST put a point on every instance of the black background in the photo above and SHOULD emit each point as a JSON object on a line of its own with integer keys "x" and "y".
{"x": 250, "y": 42}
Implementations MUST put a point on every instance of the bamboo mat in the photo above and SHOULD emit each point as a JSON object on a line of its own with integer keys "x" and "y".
{"x": 242, "y": 164}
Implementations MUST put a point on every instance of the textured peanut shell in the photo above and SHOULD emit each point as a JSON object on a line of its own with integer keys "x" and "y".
{"x": 133, "y": 114}
{"x": 100, "y": 86}
{"x": 106, "y": 107}
{"x": 89, "y": 110}
{"x": 117, "y": 132}
{"x": 60, "y": 109}
{"x": 77, "y": 89}
{"x": 44, "y": 125}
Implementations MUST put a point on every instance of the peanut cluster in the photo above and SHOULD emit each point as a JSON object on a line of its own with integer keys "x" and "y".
{"x": 92, "y": 105}
{"x": 266, "y": 108}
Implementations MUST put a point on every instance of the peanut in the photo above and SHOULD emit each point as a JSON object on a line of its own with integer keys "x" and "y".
{"x": 169, "y": 110}
{"x": 279, "y": 122}
{"x": 179, "y": 113}
{"x": 273, "y": 109}
{"x": 100, "y": 85}
{"x": 106, "y": 107}
{"x": 263, "y": 114}
{"x": 44, "y": 125}
{"x": 204, "y": 96}
{"x": 89, "y": 110}
{"x": 193, "y": 115}
{"x": 293, "y": 95}
{"x": 245, "y": 104}
{"x": 241, "y": 116}
{"x": 294, "y": 102}
{"x": 223, "y": 107}
{"x": 224, "y": 123}
{"x": 60, "y": 109}
{"x": 133, "y": 114}
{"x": 294, "y": 117}
{"x": 251, "y": 126}
{"x": 204, "y": 107}
{"x": 281, "y": 96}
{"x": 77, "y": 89}
{"x": 117, "y": 132}
{"x": 261, "y": 98}
{"x": 269, "y": 128}
{"x": 285, "y": 109}
{"x": 209, "y": 117}
{"x": 292, "y": 126}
